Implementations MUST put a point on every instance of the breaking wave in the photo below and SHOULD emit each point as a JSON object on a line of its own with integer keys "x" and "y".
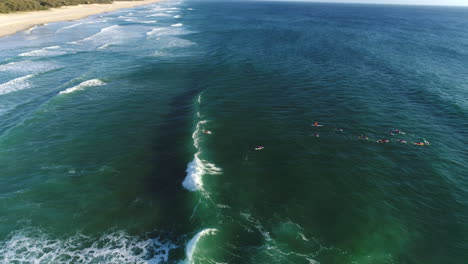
{"x": 68, "y": 27}
{"x": 154, "y": 31}
{"x": 192, "y": 244}
{"x": 159, "y": 15}
{"x": 48, "y": 51}
{"x": 105, "y": 46}
{"x": 83, "y": 85}
{"x": 198, "y": 167}
{"x": 16, "y": 84}
{"x": 27, "y": 66}
{"x": 103, "y": 32}
{"x": 171, "y": 31}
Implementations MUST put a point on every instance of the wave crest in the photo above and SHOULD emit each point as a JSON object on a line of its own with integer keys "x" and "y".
{"x": 16, "y": 84}
{"x": 83, "y": 85}
{"x": 192, "y": 244}
{"x": 198, "y": 167}
{"x": 47, "y": 51}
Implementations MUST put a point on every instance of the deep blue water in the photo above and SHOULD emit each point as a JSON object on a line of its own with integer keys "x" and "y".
{"x": 131, "y": 136}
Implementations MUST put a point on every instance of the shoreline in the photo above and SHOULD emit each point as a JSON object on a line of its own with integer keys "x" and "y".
{"x": 15, "y": 22}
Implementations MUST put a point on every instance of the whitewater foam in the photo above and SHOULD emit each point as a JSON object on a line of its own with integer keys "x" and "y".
{"x": 173, "y": 31}
{"x": 32, "y": 246}
{"x": 105, "y": 46}
{"x": 69, "y": 27}
{"x": 174, "y": 42}
{"x": 192, "y": 244}
{"x": 16, "y": 84}
{"x": 48, "y": 51}
{"x": 27, "y": 66}
{"x": 153, "y": 31}
{"x": 83, "y": 85}
{"x": 177, "y": 25}
{"x": 31, "y": 29}
{"x": 198, "y": 167}
{"x": 103, "y": 32}
{"x": 177, "y": 16}
{"x": 159, "y": 15}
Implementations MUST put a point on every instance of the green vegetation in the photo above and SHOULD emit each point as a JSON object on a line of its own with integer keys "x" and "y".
{"x": 8, "y": 6}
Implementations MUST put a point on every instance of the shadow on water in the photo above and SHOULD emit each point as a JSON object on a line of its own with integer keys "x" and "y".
{"x": 172, "y": 147}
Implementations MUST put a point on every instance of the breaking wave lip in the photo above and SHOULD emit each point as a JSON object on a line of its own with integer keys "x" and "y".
{"x": 83, "y": 85}
{"x": 192, "y": 244}
{"x": 32, "y": 246}
{"x": 101, "y": 32}
{"x": 177, "y": 25}
{"x": 47, "y": 51}
{"x": 16, "y": 84}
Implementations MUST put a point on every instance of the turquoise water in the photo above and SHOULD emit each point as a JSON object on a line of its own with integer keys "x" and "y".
{"x": 130, "y": 136}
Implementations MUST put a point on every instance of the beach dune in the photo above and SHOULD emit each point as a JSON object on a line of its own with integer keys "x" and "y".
{"x": 12, "y": 23}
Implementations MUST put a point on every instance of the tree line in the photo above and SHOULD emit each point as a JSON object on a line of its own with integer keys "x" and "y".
{"x": 8, "y": 6}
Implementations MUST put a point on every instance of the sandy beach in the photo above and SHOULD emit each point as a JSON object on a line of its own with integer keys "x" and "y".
{"x": 12, "y": 23}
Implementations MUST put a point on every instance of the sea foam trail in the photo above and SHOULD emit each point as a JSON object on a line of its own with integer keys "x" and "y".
{"x": 174, "y": 30}
{"x": 79, "y": 24}
{"x": 159, "y": 15}
{"x": 103, "y": 32}
{"x": 69, "y": 27}
{"x": 27, "y": 66}
{"x": 117, "y": 247}
{"x": 83, "y": 85}
{"x": 48, "y": 51}
{"x": 192, "y": 244}
{"x": 16, "y": 84}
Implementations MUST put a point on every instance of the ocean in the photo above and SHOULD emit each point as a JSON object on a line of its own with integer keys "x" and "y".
{"x": 237, "y": 132}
